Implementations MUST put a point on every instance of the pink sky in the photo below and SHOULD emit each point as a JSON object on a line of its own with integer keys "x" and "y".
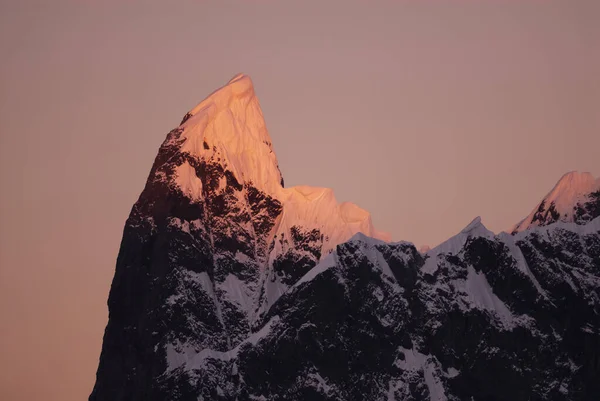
{"x": 425, "y": 113}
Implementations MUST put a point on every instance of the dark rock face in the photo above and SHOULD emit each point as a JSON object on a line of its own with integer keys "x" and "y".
{"x": 544, "y": 216}
{"x": 488, "y": 318}
{"x": 173, "y": 253}
{"x": 588, "y": 210}
{"x": 302, "y": 254}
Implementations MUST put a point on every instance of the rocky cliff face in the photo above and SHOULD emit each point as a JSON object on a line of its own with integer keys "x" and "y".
{"x": 229, "y": 286}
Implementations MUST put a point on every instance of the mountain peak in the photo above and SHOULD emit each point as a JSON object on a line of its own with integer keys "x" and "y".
{"x": 239, "y": 77}
{"x": 474, "y": 225}
{"x": 559, "y": 204}
{"x": 574, "y": 180}
{"x": 240, "y": 87}
{"x": 452, "y": 245}
{"x": 228, "y": 126}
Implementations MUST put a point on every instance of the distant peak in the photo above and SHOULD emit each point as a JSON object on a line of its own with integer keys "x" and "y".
{"x": 477, "y": 229}
{"x": 569, "y": 187}
{"x": 474, "y": 224}
{"x": 576, "y": 178}
{"x": 453, "y": 245}
{"x": 558, "y": 204}
{"x": 424, "y": 249}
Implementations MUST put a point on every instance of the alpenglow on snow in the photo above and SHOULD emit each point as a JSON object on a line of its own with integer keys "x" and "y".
{"x": 230, "y": 286}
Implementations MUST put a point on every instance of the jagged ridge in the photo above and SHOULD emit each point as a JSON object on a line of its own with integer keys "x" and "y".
{"x": 229, "y": 286}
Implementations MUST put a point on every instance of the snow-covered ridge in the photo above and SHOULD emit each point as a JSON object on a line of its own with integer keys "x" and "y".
{"x": 572, "y": 189}
{"x": 188, "y": 181}
{"x": 312, "y": 208}
{"x": 454, "y": 244}
{"x": 475, "y": 229}
{"x": 229, "y": 126}
{"x": 592, "y": 227}
{"x": 317, "y": 208}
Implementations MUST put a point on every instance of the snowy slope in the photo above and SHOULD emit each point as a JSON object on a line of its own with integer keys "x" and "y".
{"x": 229, "y": 125}
{"x": 560, "y": 203}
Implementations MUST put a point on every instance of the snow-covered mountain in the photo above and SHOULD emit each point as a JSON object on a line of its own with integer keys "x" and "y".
{"x": 229, "y": 286}
{"x": 574, "y": 198}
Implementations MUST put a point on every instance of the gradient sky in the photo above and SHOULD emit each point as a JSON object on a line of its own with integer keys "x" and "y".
{"x": 425, "y": 113}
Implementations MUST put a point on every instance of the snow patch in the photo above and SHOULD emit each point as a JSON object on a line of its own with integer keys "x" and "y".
{"x": 451, "y": 372}
{"x": 203, "y": 279}
{"x": 431, "y": 264}
{"x": 480, "y": 294}
{"x": 187, "y": 180}
{"x": 414, "y": 361}
{"x": 320, "y": 384}
{"x": 237, "y": 291}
